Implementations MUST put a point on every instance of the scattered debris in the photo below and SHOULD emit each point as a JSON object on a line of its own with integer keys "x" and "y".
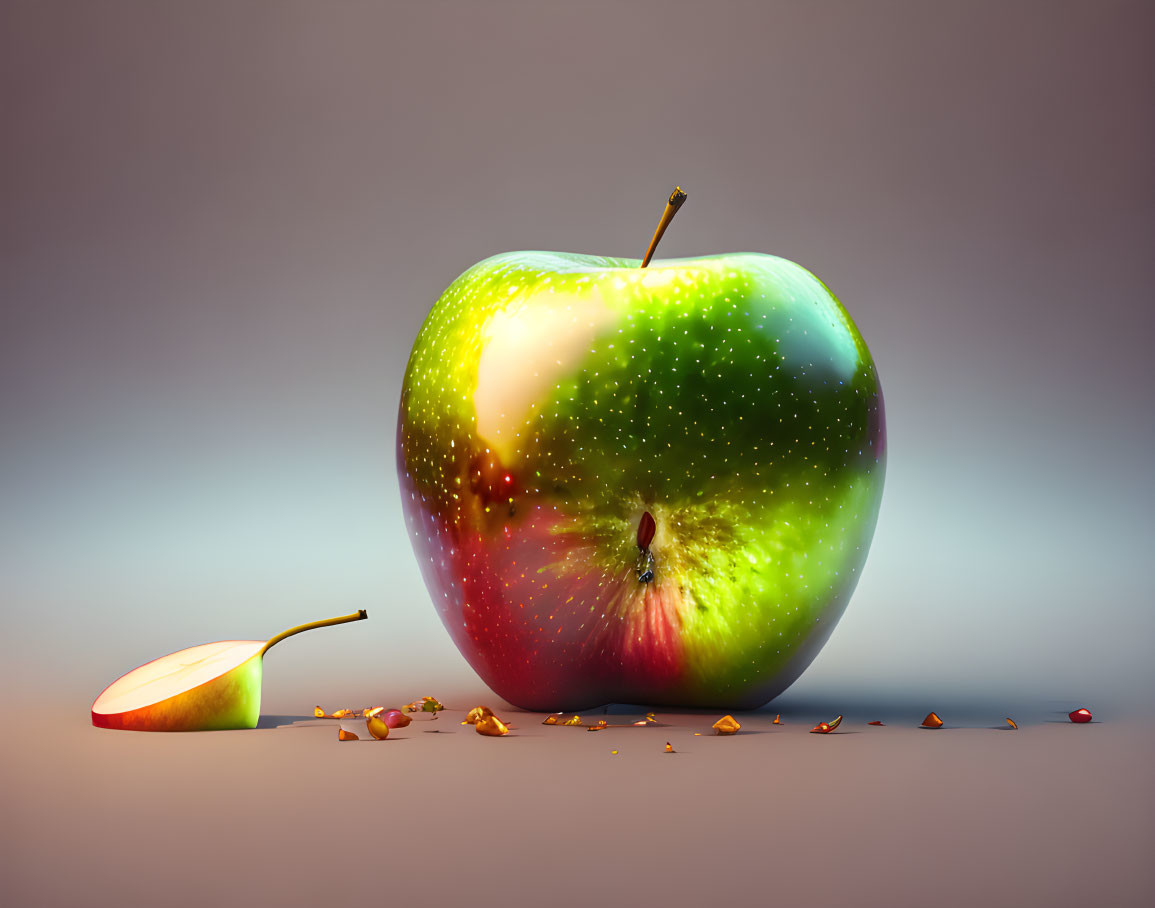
{"x": 670, "y": 748}
{"x": 932, "y": 721}
{"x": 424, "y": 705}
{"x": 1011, "y": 723}
{"x": 825, "y": 728}
{"x": 476, "y": 714}
{"x": 394, "y": 718}
{"x": 727, "y": 725}
{"x": 600, "y": 724}
{"x": 491, "y": 726}
{"x": 875, "y": 722}
{"x": 343, "y": 735}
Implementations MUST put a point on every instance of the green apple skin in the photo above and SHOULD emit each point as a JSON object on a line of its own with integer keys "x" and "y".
{"x": 552, "y": 399}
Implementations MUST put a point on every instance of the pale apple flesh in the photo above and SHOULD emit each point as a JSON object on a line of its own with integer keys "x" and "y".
{"x": 208, "y": 687}
{"x": 553, "y": 400}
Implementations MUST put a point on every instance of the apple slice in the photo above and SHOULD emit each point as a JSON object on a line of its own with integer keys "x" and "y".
{"x": 203, "y": 688}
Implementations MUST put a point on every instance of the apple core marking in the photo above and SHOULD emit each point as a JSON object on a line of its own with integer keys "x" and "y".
{"x": 644, "y": 567}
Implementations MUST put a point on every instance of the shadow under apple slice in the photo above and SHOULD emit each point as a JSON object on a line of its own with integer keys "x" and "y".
{"x": 274, "y": 721}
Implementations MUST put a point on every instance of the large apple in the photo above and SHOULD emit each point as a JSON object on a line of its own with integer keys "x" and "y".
{"x": 640, "y": 485}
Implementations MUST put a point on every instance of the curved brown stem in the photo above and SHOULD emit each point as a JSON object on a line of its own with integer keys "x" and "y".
{"x": 356, "y": 616}
{"x": 677, "y": 197}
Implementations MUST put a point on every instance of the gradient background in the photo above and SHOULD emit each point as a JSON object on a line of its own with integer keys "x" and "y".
{"x": 223, "y": 224}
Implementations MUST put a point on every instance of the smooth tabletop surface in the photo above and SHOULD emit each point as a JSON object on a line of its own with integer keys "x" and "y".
{"x": 1051, "y": 814}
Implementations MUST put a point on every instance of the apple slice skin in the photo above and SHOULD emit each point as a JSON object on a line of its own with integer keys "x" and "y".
{"x": 552, "y": 400}
{"x": 229, "y": 701}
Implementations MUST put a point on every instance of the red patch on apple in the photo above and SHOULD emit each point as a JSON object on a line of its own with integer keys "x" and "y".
{"x": 560, "y": 658}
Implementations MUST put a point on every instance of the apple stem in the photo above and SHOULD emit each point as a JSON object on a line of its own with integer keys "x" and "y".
{"x": 677, "y": 197}
{"x": 356, "y": 616}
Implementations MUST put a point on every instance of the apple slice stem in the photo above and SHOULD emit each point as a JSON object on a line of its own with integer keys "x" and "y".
{"x": 356, "y": 616}
{"x": 677, "y": 197}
